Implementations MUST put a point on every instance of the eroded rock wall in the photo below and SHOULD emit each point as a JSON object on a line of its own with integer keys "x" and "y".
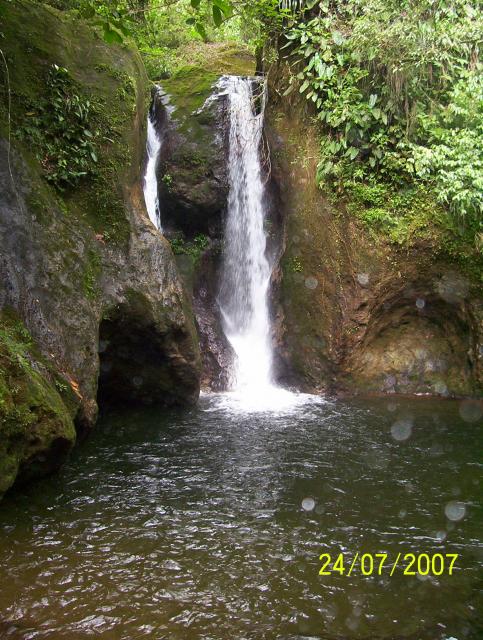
{"x": 84, "y": 264}
{"x": 358, "y": 312}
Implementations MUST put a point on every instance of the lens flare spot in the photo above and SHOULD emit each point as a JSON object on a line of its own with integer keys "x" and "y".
{"x": 308, "y": 504}
{"x": 455, "y": 510}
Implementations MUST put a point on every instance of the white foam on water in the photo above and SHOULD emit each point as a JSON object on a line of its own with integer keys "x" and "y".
{"x": 274, "y": 400}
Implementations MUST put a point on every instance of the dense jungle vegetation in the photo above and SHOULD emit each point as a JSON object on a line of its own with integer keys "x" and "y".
{"x": 394, "y": 86}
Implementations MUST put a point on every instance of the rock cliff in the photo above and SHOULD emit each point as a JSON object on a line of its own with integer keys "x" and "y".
{"x": 363, "y": 308}
{"x": 92, "y": 303}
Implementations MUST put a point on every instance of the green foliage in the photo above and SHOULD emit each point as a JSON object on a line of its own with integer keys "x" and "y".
{"x": 167, "y": 31}
{"x": 374, "y": 70}
{"x": 195, "y": 248}
{"x": 220, "y": 11}
{"x": 61, "y": 386}
{"x": 57, "y": 127}
{"x": 451, "y": 151}
{"x": 167, "y": 179}
{"x": 401, "y": 214}
{"x": 17, "y": 338}
{"x": 294, "y": 265}
{"x": 113, "y": 17}
{"x": 262, "y": 21}
{"x": 91, "y": 274}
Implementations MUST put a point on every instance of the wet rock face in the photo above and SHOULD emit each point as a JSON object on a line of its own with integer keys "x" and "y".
{"x": 83, "y": 265}
{"x": 358, "y": 314}
{"x": 193, "y": 192}
{"x": 142, "y": 361}
{"x": 193, "y": 171}
{"x": 192, "y": 174}
{"x": 416, "y": 341}
{"x": 217, "y": 353}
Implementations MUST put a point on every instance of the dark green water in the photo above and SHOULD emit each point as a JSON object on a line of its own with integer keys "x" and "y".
{"x": 189, "y": 524}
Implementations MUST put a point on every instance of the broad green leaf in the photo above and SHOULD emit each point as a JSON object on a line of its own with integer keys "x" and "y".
{"x": 338, "y": 38}
{"x": 195, "y": 3}
{"x": 201, "y": 30}
{"x": 112, "y": 36}
{"x": 217, "y": 16}
{"x": 225, "y": 7}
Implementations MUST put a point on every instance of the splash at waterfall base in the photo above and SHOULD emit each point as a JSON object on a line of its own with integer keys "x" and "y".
{"x": 247, "y": 269}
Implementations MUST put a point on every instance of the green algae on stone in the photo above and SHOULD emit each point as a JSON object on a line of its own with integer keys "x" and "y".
{"x": 110, "y": 77}
{"x": 36, "y": 427}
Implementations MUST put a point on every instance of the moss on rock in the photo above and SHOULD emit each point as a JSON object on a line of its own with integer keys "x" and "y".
{"x": 192, "y": 83}
{"x": 364, "y": 304}
{"x": 111, "y": 78}
{"x": 36, "y": 425}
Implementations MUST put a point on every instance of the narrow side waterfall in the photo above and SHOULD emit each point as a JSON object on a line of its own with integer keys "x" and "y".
{"x": 246, "y": 270}
{"x": 150, "y": 185}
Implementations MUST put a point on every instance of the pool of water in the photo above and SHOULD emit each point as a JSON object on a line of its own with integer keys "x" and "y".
{"x": 209, "y": 523}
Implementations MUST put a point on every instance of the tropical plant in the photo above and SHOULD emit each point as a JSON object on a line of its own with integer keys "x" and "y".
{"x": 373, "y": 71}
{"x": 58, "y": 130}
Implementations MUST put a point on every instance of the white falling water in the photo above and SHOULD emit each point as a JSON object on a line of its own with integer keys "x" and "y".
{"x": 246, "y": 271}
{"x": 150, "y": 186}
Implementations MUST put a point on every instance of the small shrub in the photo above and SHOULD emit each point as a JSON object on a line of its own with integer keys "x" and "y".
{"x": 57, "y": 127}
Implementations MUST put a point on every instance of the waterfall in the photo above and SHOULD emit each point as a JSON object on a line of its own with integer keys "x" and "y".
{"x": 150, "y": 185}
{"x": 246, "y": 270}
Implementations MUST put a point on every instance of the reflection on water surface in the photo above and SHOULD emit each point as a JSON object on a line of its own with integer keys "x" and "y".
{"x": 209, "y": 523}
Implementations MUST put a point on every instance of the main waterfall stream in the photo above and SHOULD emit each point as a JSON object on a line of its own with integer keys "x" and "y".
{"x": 246, "y": 269}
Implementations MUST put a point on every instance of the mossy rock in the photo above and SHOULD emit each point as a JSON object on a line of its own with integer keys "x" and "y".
{"x": 191, "y": 84}
{"x": 110, "y": 77}
{"x": 36, "y": 425}
{"x": 69, "y": 257}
